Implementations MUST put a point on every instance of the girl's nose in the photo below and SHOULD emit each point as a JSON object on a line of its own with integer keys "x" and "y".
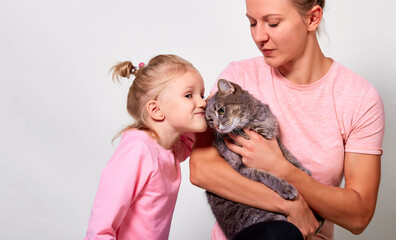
{"x": 201, "y": 103}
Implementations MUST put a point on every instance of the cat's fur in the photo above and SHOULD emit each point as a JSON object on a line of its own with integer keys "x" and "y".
{"x": 229, "y": 110}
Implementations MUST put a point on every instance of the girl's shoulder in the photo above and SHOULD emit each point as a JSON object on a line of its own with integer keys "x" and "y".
{"x": 138, "y": 141}
{"x": 135, "y": 135}
{"x": 134, "y": 156}
{"x": 145, "y": 141}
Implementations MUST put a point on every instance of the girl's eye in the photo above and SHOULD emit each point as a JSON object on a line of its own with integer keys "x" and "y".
{"x": 188, "y": 95}
{"x": 252, "y": 24}
{"x": 221, "y": 111}
{"x": 274, "y": 25}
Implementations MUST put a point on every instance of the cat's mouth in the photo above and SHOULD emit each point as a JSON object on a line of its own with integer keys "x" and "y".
{"x": 222, "y": 131}
{"x": 227, "y": 128}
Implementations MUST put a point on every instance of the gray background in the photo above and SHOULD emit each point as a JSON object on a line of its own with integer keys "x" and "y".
{"x": 60, "y": 109}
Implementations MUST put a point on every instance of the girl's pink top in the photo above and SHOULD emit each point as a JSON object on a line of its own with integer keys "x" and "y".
{"x": 318, "y": 122}
{"x": 138, "y": 189}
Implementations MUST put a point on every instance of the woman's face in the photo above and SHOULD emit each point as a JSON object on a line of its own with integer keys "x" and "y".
{"x": 278, "y": 29}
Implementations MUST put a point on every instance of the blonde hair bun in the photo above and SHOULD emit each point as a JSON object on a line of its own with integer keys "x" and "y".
{"x": 123, "y": 69}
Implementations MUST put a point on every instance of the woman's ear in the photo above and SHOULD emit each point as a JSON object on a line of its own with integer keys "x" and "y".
{"x": 154, "y": 110}
{"x": 314, "y": 18}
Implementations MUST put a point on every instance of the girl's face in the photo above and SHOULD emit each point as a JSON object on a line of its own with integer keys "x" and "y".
{"x": 278, "y": 30}
{"x": 182, "y": 102}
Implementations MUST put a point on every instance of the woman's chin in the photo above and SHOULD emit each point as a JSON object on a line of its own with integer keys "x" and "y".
{"x": 272, "y": 61}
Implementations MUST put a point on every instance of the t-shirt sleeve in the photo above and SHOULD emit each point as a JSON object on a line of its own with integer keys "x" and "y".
{"x": 121, "y": 181}
{"x": 368, "y": 127}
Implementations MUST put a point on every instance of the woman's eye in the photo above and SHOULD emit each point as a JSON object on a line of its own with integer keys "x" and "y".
{"x": 188, "y": 95}
{"x": 221, "y": 111}
{"x": 252, "y": 24}
{"x": 274, "y": 25}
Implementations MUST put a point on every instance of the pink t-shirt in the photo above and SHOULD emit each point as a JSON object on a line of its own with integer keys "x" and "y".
{"x": 138, "y": 189}
{"x": 318, "y": 122}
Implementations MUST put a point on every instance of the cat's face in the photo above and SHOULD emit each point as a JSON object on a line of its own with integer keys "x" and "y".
{"x": 223, "y": 111}
{"x": 222, "y": 116}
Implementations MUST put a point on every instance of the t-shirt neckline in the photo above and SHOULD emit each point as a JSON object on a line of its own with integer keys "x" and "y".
{"x": 278, "y": 76}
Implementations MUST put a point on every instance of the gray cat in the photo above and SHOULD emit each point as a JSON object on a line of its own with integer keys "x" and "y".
{"x": 228, "y": 111}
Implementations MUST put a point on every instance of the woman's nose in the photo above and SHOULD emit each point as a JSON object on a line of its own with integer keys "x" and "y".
{"x": 260, "y": 34}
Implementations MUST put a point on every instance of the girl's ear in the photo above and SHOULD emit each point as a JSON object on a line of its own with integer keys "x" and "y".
{"x": 314, "y": 18}
{"x": 154, "y": 111}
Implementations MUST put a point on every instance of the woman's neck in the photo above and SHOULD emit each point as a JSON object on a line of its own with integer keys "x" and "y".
{"x": 310, "y": 67}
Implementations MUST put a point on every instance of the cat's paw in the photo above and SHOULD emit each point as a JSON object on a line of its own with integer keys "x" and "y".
{"x": 288, "y": 192}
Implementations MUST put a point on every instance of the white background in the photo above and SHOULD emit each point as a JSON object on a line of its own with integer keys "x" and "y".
{"x": 59, "y": 108}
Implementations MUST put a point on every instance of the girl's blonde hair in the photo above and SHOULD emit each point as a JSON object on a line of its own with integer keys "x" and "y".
{"x": 149, "y": 81}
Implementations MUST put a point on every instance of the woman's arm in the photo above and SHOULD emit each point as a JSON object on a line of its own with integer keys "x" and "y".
{"x": 210, "y": 171}
{"x": 351, "y": 207}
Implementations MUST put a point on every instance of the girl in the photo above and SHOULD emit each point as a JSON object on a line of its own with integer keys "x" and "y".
{"x": 330, "y": 118}
{"x": 138, "y": 187}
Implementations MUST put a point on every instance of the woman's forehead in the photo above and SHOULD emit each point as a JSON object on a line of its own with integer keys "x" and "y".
{"x": 268, "y": 7}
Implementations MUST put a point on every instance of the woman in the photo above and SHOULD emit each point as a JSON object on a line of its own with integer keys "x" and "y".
{"x": 330, "y": 118}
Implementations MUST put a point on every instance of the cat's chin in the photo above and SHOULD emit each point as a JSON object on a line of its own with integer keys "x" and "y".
{"x": 228, "y": 128}
{"x": 224, "y": 131}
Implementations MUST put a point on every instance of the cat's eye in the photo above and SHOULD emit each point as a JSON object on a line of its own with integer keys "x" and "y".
{"x": 221, "y": 111}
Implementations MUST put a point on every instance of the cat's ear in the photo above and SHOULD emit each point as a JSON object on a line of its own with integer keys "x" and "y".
{"x": 154, "y": 111}
{"x": 225, "y": 87}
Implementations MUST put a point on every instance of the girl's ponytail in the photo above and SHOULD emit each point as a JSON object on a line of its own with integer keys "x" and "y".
{"x": 123, "y": 69}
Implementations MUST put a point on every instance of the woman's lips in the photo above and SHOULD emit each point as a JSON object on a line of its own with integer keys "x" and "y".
{"x": 267, "y": 52}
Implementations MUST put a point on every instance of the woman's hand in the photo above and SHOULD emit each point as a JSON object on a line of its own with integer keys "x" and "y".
{"x": 260, "y": 153}
{"x": 301, "y": 215}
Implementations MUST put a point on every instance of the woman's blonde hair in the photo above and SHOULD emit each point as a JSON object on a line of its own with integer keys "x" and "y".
{"x": 149, "y": 81}
{"x": 304, "y": 5}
